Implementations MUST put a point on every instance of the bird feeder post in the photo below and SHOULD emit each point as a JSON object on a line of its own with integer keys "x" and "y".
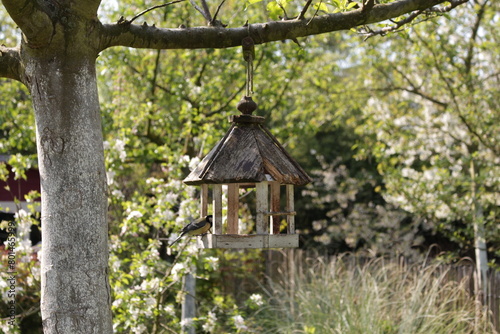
{"x": 261, "y": 204}
{"x": 204, "y": 200}
{"x": 290, "y": 219}
{"x": 232, "y": 208}
{"x": 217, "y": 208}
{"x": 275, "y": 207}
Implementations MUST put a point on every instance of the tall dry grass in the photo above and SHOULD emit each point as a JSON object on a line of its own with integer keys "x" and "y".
{"x": 377, "y": 297}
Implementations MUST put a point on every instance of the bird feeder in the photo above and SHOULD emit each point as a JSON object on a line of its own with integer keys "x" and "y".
{"x": 249, "y": 156}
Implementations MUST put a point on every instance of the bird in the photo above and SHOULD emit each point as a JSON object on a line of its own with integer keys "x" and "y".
{"x": 196, "y": 227}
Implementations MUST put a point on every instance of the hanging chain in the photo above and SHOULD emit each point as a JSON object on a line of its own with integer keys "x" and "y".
{"x": 248, "y": 46}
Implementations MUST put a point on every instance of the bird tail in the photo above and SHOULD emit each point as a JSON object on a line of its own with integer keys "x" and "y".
{"x": 173, "y": 242}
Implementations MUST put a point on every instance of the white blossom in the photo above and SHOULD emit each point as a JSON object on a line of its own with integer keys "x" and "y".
{"x": 110, "y": 177}
{"x": 194, "y": 163}
{"x": 210, "y": 322}
{"x": 239, "y": 322}
{"x": 177, "y": 270}
{"x": 140, "y": 328}
{"x": 120, "y": 148}
{"x": 257, "y": 299}
{"x": 169, "y": 309}
{"x": 143, "y": 270}
{"x": 134, "y": 214}
{"x": 213, "y": 262}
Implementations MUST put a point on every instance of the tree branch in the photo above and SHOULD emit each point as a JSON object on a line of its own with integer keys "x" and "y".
{"x": 205, "y": 11}
{"x": 397, "y": 25}
{"x": 10, "y": 63}
{"x": 416, "y": 89}
{"x": 152, "y": 8}
{"x": 35, "y": 24}
{"x": 210, "y": 37}
{"x": 304, "y": 10}
{"x": 472, "y": 43}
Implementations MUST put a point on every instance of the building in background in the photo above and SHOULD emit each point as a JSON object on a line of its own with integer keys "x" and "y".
{"x": 12, "y": 198}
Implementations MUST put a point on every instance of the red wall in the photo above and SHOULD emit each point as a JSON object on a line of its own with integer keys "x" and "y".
{"x": 19, "y": 188}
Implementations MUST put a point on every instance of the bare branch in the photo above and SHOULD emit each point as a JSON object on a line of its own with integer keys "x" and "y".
{"x": 152, "y": 8}
{"x": 218, "y": 9}
{"x": 472, "y": 42}
{"x": 283, "y": 9}
{"x": 397, "y": 25}
{"x": 370, "y": 33}
{"x": 205, "y": 11}
{"x": 304, "y": 10}
{"x": 10, "y": 63}
{"x": 217, "y": 37}
{"x": 453, "y": 4}
{"x": 316, "y": 12}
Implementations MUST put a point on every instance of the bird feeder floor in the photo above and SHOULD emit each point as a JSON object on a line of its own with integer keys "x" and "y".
{"x": 248, "y": 241}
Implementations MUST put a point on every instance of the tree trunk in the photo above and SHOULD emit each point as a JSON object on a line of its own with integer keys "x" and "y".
{"x": 189, "y": 303}
{"x": 74, "y": 261}
{"x": 479, "y": 240}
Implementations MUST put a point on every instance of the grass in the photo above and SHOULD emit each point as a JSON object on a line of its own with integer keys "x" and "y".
{"x": 376, "y": 297}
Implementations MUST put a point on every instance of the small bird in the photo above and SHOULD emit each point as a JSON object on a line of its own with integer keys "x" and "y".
{"x": 196, "y": 227}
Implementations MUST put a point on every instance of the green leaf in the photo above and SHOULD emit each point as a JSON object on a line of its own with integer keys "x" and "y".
{"x": 322, "y": 7}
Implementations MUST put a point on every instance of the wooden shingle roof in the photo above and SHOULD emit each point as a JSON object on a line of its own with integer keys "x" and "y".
{"x": 248, "y": 153}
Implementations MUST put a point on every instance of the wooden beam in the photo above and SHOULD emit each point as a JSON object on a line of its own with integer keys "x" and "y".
{"x": 290, "y": 219}
{"x": 232, "y": 208}
{"x": 217, "y": 208}
{"x": 275, "y": 207}
{"x": 204, "y": 200}
{"x": 249, "y": 241}
{"x": 261, "y": 207}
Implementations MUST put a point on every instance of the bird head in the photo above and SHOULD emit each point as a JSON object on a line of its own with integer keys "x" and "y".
{"x": 209, "y": 219}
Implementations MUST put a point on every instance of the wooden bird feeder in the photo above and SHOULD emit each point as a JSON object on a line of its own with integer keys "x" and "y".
{"x": 249, "y": 156}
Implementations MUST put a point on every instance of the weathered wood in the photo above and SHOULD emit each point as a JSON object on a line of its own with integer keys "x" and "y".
{"x": 246, "y": 154}
{"x": 261, "y": 204}
{"x": 281, "y": 213}
{"x": 290, "y": 219}
{"x": 275, "y": 207}
{"x": 248, "y": 241}
{"x": 232, "y": 208}
{"x": 204, "y": 200}
{"x": 217, "y": 208}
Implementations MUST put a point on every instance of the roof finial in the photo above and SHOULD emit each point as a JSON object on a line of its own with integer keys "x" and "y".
{"x": 246, "y": 105}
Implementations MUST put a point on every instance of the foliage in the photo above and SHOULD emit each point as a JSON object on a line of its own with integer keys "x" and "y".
{"x": 434, "y": 129}
{"x": 17, "y": 123}
{"x": 346, "y": 296}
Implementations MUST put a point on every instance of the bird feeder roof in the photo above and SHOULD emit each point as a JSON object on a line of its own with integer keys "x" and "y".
{"x": 248, "y": 153}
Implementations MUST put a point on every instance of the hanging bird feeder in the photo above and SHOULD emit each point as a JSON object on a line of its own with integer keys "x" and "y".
{"x": 249, "y": 156}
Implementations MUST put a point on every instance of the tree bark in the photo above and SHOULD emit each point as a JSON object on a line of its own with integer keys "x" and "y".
{"x": 75, "y": 288}
{"x": 144, "y": 36}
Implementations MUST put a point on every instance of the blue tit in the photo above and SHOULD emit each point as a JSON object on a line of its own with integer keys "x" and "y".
{"x": 196, "y": 227}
